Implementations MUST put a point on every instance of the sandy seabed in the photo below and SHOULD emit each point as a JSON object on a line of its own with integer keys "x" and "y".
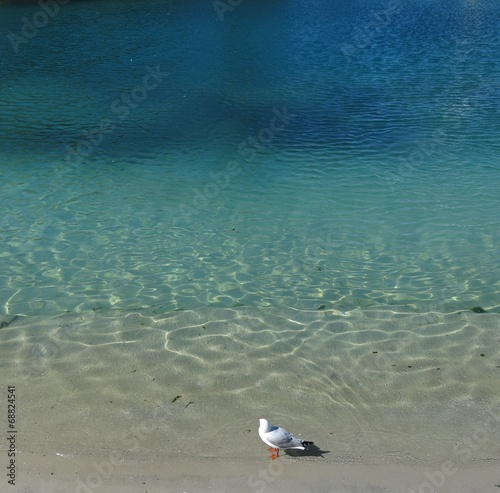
{"x": 145, "y": 402}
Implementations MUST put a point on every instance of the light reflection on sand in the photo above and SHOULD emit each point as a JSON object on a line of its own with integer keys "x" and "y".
{"x": 370, "y": 384}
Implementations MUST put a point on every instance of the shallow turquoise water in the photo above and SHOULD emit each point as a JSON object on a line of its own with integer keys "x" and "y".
{"x": 288, "y": 155}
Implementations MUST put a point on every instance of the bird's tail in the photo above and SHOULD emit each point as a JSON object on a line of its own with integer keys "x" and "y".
{"x": 305, "y": 444}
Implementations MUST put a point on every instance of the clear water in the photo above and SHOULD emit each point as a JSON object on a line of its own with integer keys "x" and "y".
{"x": 362, "y": 143}
{"x": 305, "y": 175}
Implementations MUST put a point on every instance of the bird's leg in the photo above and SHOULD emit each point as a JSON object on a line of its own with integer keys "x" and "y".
{"x": 276, "y": 453}
{"x": 271, "y": 449}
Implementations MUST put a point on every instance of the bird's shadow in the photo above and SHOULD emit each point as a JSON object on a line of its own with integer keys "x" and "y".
{"x": 310, "y": 451}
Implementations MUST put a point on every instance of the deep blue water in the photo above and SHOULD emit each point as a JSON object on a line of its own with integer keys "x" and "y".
{"x": 304, "y": 154}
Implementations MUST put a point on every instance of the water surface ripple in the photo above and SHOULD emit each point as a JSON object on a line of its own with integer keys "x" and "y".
{"x": 289, "y": 155}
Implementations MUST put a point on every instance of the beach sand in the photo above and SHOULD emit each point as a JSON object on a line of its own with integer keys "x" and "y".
{"x": 141, "y": 401}
{"x": 44, "y": 474}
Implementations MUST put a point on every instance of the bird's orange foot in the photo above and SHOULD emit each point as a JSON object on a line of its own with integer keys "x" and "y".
{"x": 274, "y": 456}
{"x": 271, "y": 449}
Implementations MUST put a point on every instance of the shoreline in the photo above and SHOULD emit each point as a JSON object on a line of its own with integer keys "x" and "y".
{"x": 57, "y": 474}
{"x": 170, "y": 402}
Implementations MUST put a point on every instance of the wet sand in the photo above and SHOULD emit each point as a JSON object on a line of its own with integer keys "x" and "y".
{"x": 44, "y": 474}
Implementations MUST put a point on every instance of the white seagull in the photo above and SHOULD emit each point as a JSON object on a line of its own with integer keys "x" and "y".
{"x": 278, "y": 438}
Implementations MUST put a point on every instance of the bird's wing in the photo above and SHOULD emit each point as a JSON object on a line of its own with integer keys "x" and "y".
{"x": 282, "y": 438}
